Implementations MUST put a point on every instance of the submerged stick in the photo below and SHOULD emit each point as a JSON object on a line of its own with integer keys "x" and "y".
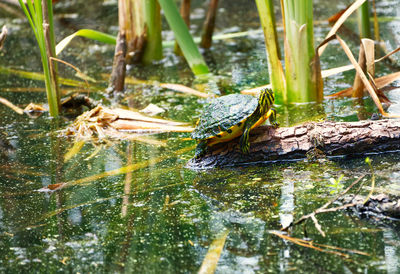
{"x": 324, "y": 209}
{"x": 326, "y": 139}
{"x": 209, "y": 25}
{"x": 3, "y": 36}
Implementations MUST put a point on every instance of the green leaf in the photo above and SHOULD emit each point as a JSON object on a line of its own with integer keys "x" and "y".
{"x": 183, "y": 37}
{"x": 87, "y": 33}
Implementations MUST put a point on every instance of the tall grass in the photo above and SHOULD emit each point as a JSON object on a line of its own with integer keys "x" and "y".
{"x": 40, "y": 17}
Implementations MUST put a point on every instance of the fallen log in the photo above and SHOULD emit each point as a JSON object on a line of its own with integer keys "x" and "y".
{"x": 326, "y": 139}
{"x": 377, "y": 207}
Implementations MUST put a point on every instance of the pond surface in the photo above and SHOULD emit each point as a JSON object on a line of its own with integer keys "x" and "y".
{"x": 133, "y": 206}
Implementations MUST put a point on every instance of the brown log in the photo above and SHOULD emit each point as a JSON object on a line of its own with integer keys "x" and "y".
{"x": 326, "y": 139}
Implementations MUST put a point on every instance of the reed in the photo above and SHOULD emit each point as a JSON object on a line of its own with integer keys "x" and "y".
{"x": 303, "y": 82}
{"x": 152, "y": 19}
{"x": 364, "y": 24}
{"x": 40, "y": 16}
{"x": 276, "y": 75}
{"x": 209, "y": 25}
{"x": 185, "y": 13}
{"x": 140, "y": 24}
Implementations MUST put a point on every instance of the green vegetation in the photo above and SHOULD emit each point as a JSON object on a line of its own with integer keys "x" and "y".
{"x": 364, "y": 24}
{"x": 183, "y": 37}
{"x": 152, "y": 15}
{"x": 97, "y": 196}
{"x": 302, "y": 82}
{"x": 336, "y": 184}
{"x": 267, "y": 17}
{"x": 41, "y": 20}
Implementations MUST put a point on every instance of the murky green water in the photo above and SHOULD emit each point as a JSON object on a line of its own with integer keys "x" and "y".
{"x": 155, "y": 215}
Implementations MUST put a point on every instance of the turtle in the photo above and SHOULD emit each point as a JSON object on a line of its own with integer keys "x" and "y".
{"x": 231, "y": 116}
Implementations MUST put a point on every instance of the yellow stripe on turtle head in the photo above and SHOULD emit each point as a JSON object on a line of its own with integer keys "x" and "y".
{"x": 266, "y": 100}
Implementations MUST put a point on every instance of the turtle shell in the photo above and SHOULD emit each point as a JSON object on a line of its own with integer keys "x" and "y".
{"x": 223, "y": 113}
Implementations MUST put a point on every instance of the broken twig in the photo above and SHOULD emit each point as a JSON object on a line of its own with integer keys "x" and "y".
{"x": 324, "y": 209}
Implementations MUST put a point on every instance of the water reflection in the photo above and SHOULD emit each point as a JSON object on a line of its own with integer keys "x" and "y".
{"x": 163, "y": 216}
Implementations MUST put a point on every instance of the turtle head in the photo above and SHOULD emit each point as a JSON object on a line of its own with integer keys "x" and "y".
{"x": 266, "y": 100}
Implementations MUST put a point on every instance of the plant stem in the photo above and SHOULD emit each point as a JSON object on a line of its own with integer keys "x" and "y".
{"x": 209, "y": 25}
{"x": 302, "y": 78}
{"x": 40, "y": 17}
{"x": 364, "y": 25}
{"x": 152, "y": 19}
{"x": 276, "y": 75}
{"x": 48, "y": 30}
{"x": 185, "y": 13}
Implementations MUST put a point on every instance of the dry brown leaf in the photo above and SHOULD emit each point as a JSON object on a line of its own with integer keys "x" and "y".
{"x": 34, "y": 107}
{"x": 369, "y": 48}
{"x": 253, "y": 91}
{"x": 7, "y": 103}
{"x": 364, "y": 79}
{"x": 55, "y": 186}
{"x": 140, "y": 126}
{"x": 103, "y": 122}
{"x": 52, "y": 187}
{"x": 211, "y": 259}
{"x": 379, "y": 82}
{"x": 185, "y": 89}
{"x": 126, "y": 114}
{"x": 358, "y": 85}
{"x": 340, "y": 21}
{"x": 337, "y": 15}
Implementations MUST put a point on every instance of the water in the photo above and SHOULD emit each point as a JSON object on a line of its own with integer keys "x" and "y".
{"x": 156, "y": 216}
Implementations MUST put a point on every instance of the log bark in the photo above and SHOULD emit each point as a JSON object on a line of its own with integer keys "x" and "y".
{"x": 323, "y": 139}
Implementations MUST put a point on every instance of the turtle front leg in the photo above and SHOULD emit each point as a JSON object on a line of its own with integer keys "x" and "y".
{"x": 272, "y": 118}
{"x": 201, "y": 149}
{"x": 244, "y": 140}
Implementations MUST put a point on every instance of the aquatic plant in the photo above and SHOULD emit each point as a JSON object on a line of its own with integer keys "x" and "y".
{"x": 184, "y": 38}
{"x": 140, "y": 22}
{"x": 302, "y": 81}
{"x": 267, "y": 18}
{"x": 40, "y": 17}
{"x": 364, "y": 25}
{"x": 336, "y": 184}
